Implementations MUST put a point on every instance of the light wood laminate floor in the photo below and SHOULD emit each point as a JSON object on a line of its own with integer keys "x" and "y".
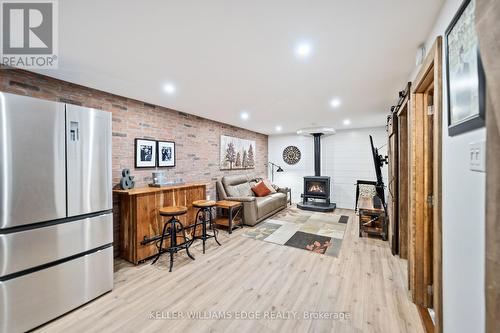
{"x": 251, "y": 277}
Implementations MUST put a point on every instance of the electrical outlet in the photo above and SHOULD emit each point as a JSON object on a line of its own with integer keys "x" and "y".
{"x": 477, "y": 156}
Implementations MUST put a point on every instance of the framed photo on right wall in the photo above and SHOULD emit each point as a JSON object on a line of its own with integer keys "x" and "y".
{"x": 464, "y": 73}
{"x": 166, "y": 153}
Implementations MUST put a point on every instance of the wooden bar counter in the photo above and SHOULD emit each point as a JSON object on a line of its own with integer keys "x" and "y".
{"x": 139, "y": 218}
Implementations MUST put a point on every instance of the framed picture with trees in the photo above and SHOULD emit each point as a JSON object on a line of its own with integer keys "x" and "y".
{"x": 236, "y": 153}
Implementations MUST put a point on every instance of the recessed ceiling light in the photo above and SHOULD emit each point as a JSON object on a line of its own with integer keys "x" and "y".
{"x": 347, "y": 122}
{"x": 169, "y": 88}
{"x": 303, "y": 50}
{"x": 244, "y": 115}
{"x": 278, "y": 128}
{"x": 335, "y": 102}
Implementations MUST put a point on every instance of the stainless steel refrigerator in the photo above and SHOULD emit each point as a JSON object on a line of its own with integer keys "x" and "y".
{"x": 56, "y": 229}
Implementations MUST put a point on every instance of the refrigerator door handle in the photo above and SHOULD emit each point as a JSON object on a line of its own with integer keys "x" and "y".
{"x": 74, "y": 131}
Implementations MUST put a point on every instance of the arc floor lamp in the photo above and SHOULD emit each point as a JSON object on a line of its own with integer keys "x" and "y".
{"x": 272, "y": 170}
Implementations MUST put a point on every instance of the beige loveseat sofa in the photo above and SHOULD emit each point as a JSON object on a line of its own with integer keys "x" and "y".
{"x": 255, "y": 209}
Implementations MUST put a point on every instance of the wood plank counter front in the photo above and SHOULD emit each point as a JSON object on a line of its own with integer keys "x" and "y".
{"x": 139, "y": 217}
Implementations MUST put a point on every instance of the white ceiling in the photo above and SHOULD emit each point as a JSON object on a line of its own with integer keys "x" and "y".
{"x": 228, "y": 56}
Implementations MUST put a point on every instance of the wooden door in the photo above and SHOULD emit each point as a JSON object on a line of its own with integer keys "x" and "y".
{"x": 421, "y": 210}
{"x": 403, "y": 179}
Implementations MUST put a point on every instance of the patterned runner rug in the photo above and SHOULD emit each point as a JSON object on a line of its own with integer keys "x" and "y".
{"x": 311, "y": 231}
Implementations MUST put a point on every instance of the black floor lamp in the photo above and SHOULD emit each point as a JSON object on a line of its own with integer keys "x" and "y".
{"x": 272, "y": 170}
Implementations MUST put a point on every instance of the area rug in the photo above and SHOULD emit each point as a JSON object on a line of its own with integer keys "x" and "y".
{"x": 311, "y": 231}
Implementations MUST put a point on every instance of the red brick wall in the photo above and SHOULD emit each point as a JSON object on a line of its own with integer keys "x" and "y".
{"x": 197, "y": 139}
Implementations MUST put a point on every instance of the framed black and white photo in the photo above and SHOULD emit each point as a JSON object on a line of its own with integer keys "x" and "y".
{"x": 166, "y": 153}
{"x": 465, "y": 75}
{"x": 145, "y": 153}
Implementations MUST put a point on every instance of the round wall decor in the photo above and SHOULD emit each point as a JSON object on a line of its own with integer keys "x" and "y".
{"x": 291, "y": 155}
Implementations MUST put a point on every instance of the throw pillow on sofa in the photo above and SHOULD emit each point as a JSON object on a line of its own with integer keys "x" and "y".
{"x": 273, "y": 188}
{"x": 269, "y": 185}
{"x": 261, "y": 190}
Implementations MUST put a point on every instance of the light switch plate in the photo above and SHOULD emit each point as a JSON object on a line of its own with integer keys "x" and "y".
{"x": 477, "y": 156}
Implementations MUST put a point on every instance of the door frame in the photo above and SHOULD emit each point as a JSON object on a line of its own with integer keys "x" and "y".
{"x": 393, "y": 202}
{"x": 429, "y": 74}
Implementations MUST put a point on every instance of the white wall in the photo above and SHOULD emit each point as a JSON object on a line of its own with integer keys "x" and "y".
{"x": 345, "y": 157}
{"x": 463, "y": 217}
{"x": 292, "y": 175}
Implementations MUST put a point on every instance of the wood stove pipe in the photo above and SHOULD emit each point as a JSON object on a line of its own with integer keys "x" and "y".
{"x": 317, "y": 153}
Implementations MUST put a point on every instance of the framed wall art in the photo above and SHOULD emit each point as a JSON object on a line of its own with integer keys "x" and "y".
{"x": 464, "y": 73}
{"x": 166, "y": 153}
{"x": 236, "y": 153}
{"x": 145, "y": 153}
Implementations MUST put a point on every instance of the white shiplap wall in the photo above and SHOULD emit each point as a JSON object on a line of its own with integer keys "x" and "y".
{"x": 345, "y": 157}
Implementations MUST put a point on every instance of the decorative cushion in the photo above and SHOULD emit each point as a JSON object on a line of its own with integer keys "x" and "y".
{"x": 261, "y": 190}
{"x": 269, "y": 185}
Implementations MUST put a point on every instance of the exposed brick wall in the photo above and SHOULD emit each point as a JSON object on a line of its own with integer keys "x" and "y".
{"x": 197, "y": 139}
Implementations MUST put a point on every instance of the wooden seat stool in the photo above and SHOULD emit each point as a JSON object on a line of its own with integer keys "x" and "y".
{"x": 205, "y": 209}
{"x": 171, "y": 228}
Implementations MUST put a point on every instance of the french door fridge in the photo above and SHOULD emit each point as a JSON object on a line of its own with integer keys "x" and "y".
{"x": 56, "y": 229}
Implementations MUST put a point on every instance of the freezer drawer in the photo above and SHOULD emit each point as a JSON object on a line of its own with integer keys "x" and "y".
{"x": 35, "y": 247}
{"x": 32, "y": 161}
{"x": 34, "y": 299}
{"x": 89, "y": 160}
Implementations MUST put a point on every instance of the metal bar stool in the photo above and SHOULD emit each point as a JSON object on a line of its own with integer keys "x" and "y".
{"x": 171, "y": 228}
{"x": 205, "y": 208}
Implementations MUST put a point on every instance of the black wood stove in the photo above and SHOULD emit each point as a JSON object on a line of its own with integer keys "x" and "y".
{"x": 316, "y": 195}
